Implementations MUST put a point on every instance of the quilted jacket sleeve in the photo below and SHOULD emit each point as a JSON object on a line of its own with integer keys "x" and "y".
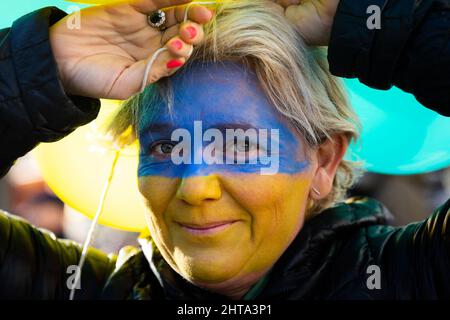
{"x": 36, "y": 265}
{"x": 33, "y": 105}
{"x": 34, "y": 108}
{"x": 411, "y": 50}
{"x": 415, "y": 259}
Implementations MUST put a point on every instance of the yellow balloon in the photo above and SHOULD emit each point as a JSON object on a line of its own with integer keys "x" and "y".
{"x": 77, "y": 168}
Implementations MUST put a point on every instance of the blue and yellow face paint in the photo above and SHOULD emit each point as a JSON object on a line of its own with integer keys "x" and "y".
{"x": 206, "y": 114}
{"x": 212, "y": 221}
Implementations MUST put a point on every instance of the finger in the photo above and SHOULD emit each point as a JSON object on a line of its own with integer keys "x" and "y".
{"x": 166, "y": 65}
{"x": 277, "y": 7}
{"x": 196, "y": 13}
{"x": 169, "y": 33}
{"x": 191, "y": 33}
{"x": 146, "y": 6}
{"x": 287, "y": 3}
{"x": 185, "y": 33}
{"x": 131, "y": 77}
{"x": 179, "y": 48}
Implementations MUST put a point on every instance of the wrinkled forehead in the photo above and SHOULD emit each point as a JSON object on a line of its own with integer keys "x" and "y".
{"x": 218, "y": 93}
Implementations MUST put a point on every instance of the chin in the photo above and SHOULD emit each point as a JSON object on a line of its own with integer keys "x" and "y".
{"x": 209, "y": 267}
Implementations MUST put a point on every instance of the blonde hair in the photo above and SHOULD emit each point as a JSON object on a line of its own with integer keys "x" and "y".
{"x": 294, "y": 77}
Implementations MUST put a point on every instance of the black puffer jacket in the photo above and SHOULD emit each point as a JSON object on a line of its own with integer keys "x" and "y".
{"x": 331, "y": 255}
{"x": 411, "y": 50}
{"x": 329, "y": 259}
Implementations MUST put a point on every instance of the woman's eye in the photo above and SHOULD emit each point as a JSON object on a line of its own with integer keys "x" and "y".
{"x": 162, "y": 149}
{"x": 243, "y": 146}
{"x": 242, "y": 151}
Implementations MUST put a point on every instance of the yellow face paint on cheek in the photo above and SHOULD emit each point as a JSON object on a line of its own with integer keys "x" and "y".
{"x": 277, "y": 205}
{"x": 197, "y": 240}
{"x": 264, "y": 215}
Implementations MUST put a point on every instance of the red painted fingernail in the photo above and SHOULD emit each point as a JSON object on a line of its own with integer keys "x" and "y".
{"x": 177, "y": 44}
{"x": 192, "y": 32}
{"x": 172, "y": 64}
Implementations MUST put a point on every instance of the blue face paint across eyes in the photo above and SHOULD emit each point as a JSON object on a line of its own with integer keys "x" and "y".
{"x": 211, "y": 102}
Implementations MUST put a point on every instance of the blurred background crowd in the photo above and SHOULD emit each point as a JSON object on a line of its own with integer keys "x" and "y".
{"x": 23, "y": 192}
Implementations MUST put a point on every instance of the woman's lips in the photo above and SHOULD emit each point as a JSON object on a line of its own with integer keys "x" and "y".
{"x": 207, "y": 228}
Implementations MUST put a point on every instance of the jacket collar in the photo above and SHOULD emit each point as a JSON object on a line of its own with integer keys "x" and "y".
{"x": 295, "y": 273}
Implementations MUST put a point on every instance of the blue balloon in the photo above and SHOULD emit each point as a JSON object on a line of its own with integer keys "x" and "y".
{"x": 399, "y": 135}
{"x": 13, "y": 10}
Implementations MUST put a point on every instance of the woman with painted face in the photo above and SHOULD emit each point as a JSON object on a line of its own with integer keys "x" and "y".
{"x": 242, "y": 172}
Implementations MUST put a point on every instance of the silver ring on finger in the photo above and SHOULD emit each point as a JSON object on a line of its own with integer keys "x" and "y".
{"x": 157, "y": 19}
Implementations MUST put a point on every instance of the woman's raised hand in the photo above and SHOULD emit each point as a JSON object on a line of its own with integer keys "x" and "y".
{"x": 106, "y": 55}
{"x": 314, "y": 18}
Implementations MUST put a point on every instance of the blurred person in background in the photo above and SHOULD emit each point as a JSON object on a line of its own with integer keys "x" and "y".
{"x": 76, "y": 227}
{"x": 44, "y": 211}
{"x": 420, "y": 194}
{"x": 30, "y": 198}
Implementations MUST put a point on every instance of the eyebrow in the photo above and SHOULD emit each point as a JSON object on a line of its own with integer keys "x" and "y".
{"x": 159, "y": 127}
{"x": 156, "y": 127}
{"x": 235, "y": 125}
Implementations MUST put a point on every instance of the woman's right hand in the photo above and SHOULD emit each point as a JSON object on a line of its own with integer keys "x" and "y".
{"x": 106, "y": 56}
{"x": 314, "y": 18}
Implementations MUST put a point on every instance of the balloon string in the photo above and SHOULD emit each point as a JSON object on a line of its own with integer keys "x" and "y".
{"x": 90, "y": 235}
{"x": 94, "y": 223}
{"x": 186, "y": 12}
{"x": 149, "y": 67}
{"x": 156, "y": 54}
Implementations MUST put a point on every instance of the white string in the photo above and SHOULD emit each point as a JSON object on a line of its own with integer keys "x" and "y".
{"x": 90, "y": 235}
{"x": 94, "y": 223}
{"x": 195, "y": 2}
{"x": 155, "y": 55}
{"x": 149, "y": 67}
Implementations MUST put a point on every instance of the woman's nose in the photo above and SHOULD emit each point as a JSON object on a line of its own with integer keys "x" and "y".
{"x": 195, "y": 189}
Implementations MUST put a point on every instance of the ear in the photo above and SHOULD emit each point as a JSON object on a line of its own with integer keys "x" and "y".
{"x": 329, "y": 154}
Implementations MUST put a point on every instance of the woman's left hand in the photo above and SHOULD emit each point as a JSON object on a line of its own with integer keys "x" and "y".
{"x": 314, "y": 18}
{"x": 106, "y": 56}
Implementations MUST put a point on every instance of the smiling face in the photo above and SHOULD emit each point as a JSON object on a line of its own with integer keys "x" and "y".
{"x": 222, "y": 223}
